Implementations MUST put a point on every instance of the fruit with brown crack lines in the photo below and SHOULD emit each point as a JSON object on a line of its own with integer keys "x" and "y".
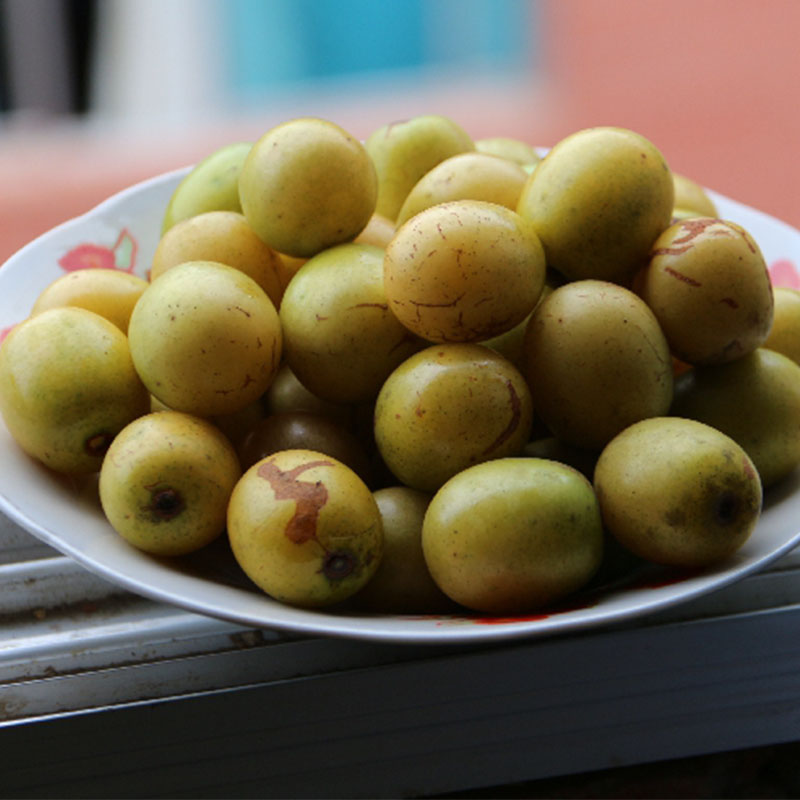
{"x": 708, "y": 285}
{"x": 305, "y": 528}
{"x": 512, "y": 535}
{"x": 448, "y": 407}
{"x": 755, "y": 400}
{"x": 678, "y": 492}
{"x": 340, "y": 337}
{"x": 598, "y": 200}
{"x": 67, "y": 387}
{"x": 306, "y": 185}
{"x": 166, "y": 481}
{"x": 596, "y": 361}
{"x": 205, "y": 339}
{"x": 464, "y": 271}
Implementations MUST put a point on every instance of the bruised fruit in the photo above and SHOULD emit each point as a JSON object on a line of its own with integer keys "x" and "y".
{"x": 678, "y": 492}
{"x": 463, "y": 271}
{"x": 449, "y": 407}
{"x": 402, "y": 583}
{"x": 205, "y": 339}
{"x": 708, "y": 285}
{"x": 755, "y": 400}
{"x": 67, "y": 387}
{"x": 596, "y": 361}
{"x": 165, "y": 483}
{"x": 512, "y": 535}
{"x": 305, "y": 528}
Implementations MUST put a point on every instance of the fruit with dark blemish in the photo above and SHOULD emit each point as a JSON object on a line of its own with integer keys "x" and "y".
{"x": 166, "y": 481}
{"x": 512, "y": 535}
{"x": 341, "y": 339}
{"x": 305, "y": 528}
{"x": 708, "y": 285}
{"x": 464, "y": 271}
{"x": 755, "y": 400}
{"x": 67, "y": 387}
{"x": 677, "y": 491}
{"x": 205, "y": 339}
{"x": 449, "y": 407}
{"x": 596, "y": 361}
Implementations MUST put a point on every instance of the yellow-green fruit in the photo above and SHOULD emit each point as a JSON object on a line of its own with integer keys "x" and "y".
{"x": 468, "y": 176}
{"x": 305, "y": 528}
{"x": 513, "y": 535}
{"x": 691, "y": 196}
{"x": 708, "y": 285}
{"x": 211, "y": 185}
{"x": 306, "y": 185}
{"x": 205, "y": 339}
{"x": 755, "y": 400}
{"x": 464, "y": 271}
{"x": 448, "y": 407}
{"x": 675, "y": 491}
{"x": 224, "y": 237}
{"x": 598, "y": 200}
{"x": 67, "y": 387}
{"x": 596, "y": 361}
{"x": 404, "y": 151}
{"x": 784, "y": 336}
{"x": 340, "y": 338}
{"x": 511, "y": 149}
{"x": 402, "y": 583}
{"x": 166, "y": 481}
{"x": 110, "y": 293}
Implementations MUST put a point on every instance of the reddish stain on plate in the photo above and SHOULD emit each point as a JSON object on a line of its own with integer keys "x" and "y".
{"x": 783, "y": 272}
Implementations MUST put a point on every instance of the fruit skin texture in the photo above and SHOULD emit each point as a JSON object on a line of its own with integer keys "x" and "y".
{"x": 67, "y": 387}
{"x": 690, "y": 196}
{"x": 449, "y": 407}
{"x": 678, "y": 492}
{"x": 305, "y": 528}
{"x": 598, "y": 200}
{"x": 755, "y": 400}
{"x": 708, "y": 285}
{"x": 165, "y": 483}
{"x": 512, "y": 535}
{"x": 784, "y": 336}
{"x": 211, "y": 185}
{"x": 205, "y": 339}
{"x": 463, "y": 271}
{"x": 108, "y": 292}
{"x": 403, "y": 152}
{"x": 306, "y": 185}
{"x": 341, "y": 339}
{"x": 596, "y": 361}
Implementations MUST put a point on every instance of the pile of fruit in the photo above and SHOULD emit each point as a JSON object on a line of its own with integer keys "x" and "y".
{"x": 423, "y": 373}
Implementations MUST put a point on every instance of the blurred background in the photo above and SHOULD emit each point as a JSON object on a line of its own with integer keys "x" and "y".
{"x": 98, "y": 94}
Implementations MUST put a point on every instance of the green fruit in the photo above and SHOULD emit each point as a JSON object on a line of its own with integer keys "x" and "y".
{"x": 305, "y": 528}
{"x": 166, "y": 481}
{"x": 598, "y": 200}
{"x": 447, "y": 408}
{"x": 784, "y": 336}
{"x": 405, "y": 151}
{"x": 341, "y": 339}
{"x": 307, "y": 185}
{"x": 212, "y": 185}
{"x": 205, "y": 339}
{"x": 512, "y": 535}
{"x": 510, "y": 149}
{"x": 402, "y": 583}
{"x": 596, "y": 361}
{"x": 678, "y": 492}
{"x": 67, "y": 387}
{"x": 755, "y": 400}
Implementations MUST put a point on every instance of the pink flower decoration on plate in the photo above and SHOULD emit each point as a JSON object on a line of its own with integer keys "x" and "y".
{"x": 783, "y": 272}
{"x": 121, "y": 255}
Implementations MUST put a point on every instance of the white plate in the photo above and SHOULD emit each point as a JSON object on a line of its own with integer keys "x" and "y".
{"x": 123, "y": 232}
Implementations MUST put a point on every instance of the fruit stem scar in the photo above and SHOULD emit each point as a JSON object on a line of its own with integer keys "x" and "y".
{"x": 165, "y": 502}
{"x": 309, "y": 497}
{"x": 97, "y": 444}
